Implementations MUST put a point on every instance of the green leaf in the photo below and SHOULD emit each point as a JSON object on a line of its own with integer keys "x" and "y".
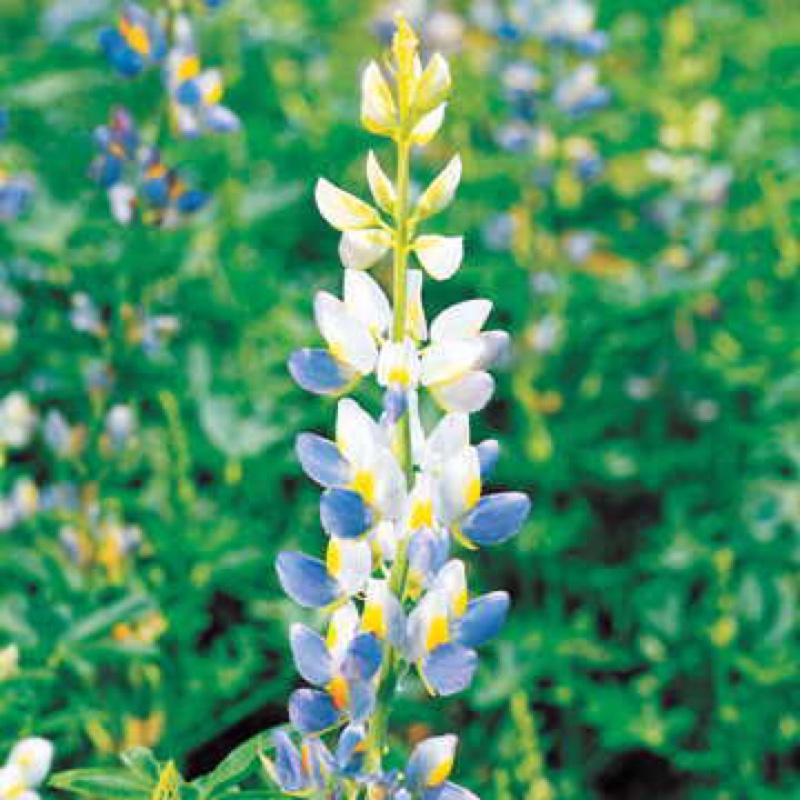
{"x": 104, "y": 619}
{"x": 109, "y": 784}
{"x": 142, "y": 761}
{"x": 234, "y": 768}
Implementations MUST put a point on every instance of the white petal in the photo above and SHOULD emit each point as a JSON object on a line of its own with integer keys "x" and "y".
{"x": 451, "y": 581}
{"x": 459, "y": 487}
{"x": 449, "y": 438}
{"x": 441, "y": 191}
{"x": 446, "y": 361}
{"x": 378, "y": 110}
{"x": 417, "y": 326}
{"x": 467, "y": 394}
{"x": 355, "y": 565}
{"x": 342, "y": 210}
{"x": 440, "y": 255}
{"x": 398, "y": 365}
{"x": 382, "y": 188}
{"x": 358, "y": 436}
{"x": 434, "y": 84}
{"x": 362, "y": 249}
{"x": 341, "y": 630}
{"x": 390, "y": 485}
{"x": 348, "y": 339}
{"x": 461, "y": 321}
{"x": 366, "y": 301}
{"x": 33, "y": 757}
{"x": 428, "y": 126}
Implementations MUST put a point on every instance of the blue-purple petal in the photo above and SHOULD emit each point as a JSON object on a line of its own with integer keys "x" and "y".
{"x": 363, "y": 658}
{"x": 312, "y": 711}
{"x": 496, "y": 518}
{"x": 306, "y": 580}
{"x": 318, "y": 372}
{"x": 484, "y": 619}
{"x": 321, "y": 460}
{"x": 344, "y": 514}
{"x": 449, "y": 669}
{"x": 311, "y": 655}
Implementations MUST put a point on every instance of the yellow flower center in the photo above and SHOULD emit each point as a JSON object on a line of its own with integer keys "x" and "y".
{"x": 373, "y": 621}
{"x": 438, "y": 633}
{"x": 188, "y": 68}
{"x": 441, "y": 773}
{"x": 135, "y": 36}
{"x": 333, "y": 558}
{"x": 421, "y": 515}
{"x": 473, "y": 492}
{"x": 364, "y": 484}
{"x": 339, "y": 692}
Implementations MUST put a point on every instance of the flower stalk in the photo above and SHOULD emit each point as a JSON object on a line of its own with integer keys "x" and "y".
{"x": 398, "y": 496}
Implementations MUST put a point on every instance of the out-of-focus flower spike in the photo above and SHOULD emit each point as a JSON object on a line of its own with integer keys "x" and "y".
{"x": 483, "y": 619}
{"x": 441, "y": 191}
{"x": 378, "y": 108}
{"x": 441, "y": 256}
{"x": 318, "y": 372}
{"x": 342, "y": 210}
{"x": 380, "y": 185}
{"x": 496, "y": 518}
{"x": 344, "y": 514}
{"x": 311, "y": 655}
{"x": 321, "y": 460}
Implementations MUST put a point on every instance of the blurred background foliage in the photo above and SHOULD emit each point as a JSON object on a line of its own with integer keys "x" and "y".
{"x": 644, "y": 258}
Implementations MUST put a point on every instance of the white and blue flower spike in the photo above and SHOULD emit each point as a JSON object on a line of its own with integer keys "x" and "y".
{"x": 397, "y": 495}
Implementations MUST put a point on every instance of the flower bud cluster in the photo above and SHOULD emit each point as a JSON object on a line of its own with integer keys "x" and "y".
{"x": 399, "y": 495}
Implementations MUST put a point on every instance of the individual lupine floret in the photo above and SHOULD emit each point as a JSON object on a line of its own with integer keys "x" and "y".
{"x": 365, "y": 486}
{"x": 454, "y": 365}
{"x": 352, "y": 331}
{"x": 429, "y": 768}
{"x": 138, "y": 41}
{"x": 314, "y": 583}
{"x": 195, "y": 94}
{"x": 446, "y": 627}
{"x": 25, "y": 769}
{"x": 341, "y": 667}
{"x": 298, "y": 771}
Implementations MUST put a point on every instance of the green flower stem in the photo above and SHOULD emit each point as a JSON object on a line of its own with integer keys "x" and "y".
{"x": 388, "y": 678}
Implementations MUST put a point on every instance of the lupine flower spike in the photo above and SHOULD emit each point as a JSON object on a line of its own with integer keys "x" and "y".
{"x": 399, "y": 496}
